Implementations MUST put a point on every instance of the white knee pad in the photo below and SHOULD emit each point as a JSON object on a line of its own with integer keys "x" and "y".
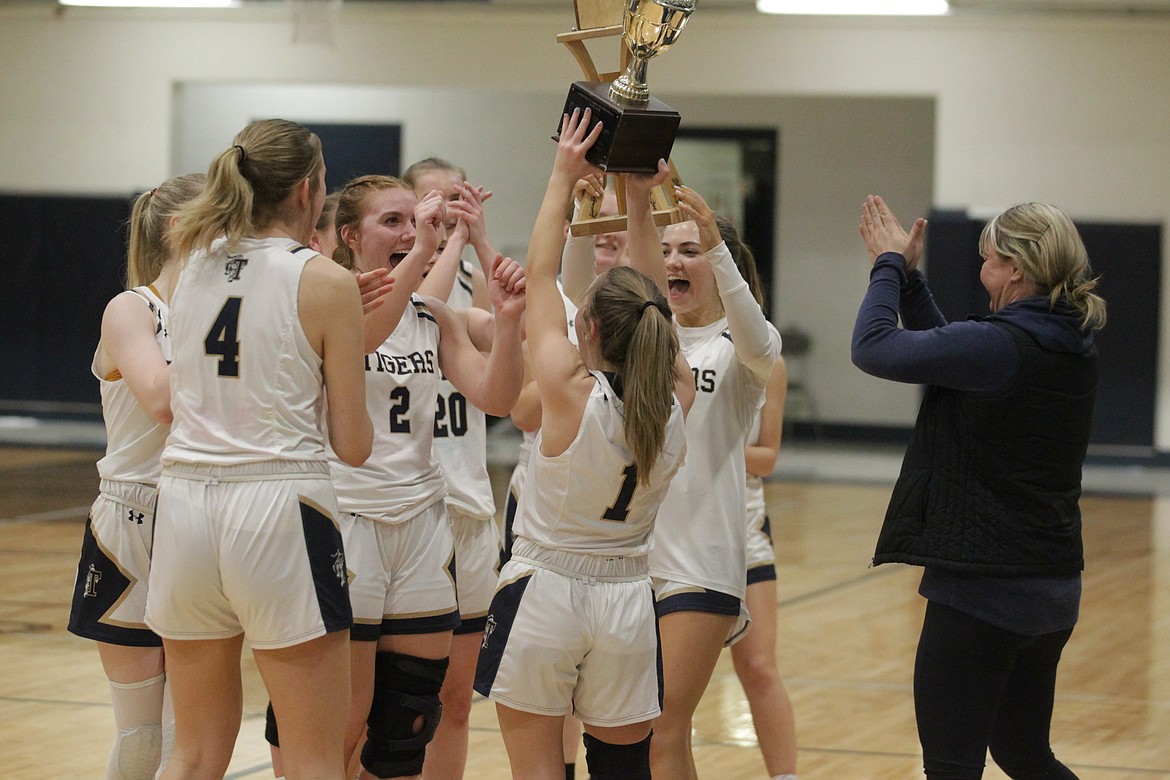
{"x": 137, "y": 747}
{"x": 136, "y": 753}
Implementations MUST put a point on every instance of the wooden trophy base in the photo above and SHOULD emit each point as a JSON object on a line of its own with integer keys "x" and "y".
{"x": 633, "y": 138}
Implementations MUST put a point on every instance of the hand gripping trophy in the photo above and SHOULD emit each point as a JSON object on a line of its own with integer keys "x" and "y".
{"x": 638, "y": 129}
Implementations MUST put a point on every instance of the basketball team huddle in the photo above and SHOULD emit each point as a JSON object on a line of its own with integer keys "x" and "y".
{"x": 297, "y": 389}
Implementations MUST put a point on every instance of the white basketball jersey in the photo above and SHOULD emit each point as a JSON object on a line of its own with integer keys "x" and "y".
{"x": 246, "y": 385}
{"x": 589, "y": 499}
{"x": 701, "y": 529}
{"x": 134, "y": 439}
{"x": 461, "y": 431}
{"x": 402, "y": 476}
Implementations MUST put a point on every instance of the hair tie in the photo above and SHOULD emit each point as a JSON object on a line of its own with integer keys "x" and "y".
{"x": 153, "y": 191}
{"x": 243, "y": 154}
{"x": 648, "y": 304}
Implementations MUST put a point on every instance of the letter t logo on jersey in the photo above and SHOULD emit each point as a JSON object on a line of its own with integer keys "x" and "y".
{"x": 234, "y": 265}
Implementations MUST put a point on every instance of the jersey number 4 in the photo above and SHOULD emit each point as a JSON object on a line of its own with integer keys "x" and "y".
{"x": 223, "y": 340}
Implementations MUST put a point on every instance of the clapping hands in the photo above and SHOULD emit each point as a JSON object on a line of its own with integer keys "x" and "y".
{"x": 882, "y": 233}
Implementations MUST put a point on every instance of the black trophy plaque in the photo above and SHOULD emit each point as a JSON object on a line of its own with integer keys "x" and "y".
{"x": 633, "y": 138}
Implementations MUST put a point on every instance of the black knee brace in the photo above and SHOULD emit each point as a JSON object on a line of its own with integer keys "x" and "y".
{"x": 405, "y": 687}
{"x": 617, "y": 762}
{"x": 270, "y": 732}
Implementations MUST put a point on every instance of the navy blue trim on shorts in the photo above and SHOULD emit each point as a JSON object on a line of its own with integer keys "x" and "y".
{"x": 431, "y": 624}
{"x": 711, "y": 601}
{"x": 501, "y": 616}
{"x": 762, "y": 573}
{"x": 364, "y": 632}
{"x": 473, "y": 625}
{"x": 327, "y": 563}
{"x": 660, "y": 673}
{"x": 99, "y": 585}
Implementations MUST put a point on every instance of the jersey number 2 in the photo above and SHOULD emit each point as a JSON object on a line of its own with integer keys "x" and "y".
{"x": 222, "y": 339}
{"x": 620, "y": 508}
{"x": 400, "y": 396}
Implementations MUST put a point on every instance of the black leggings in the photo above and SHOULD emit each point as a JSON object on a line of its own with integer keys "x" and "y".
{"x": 976, "y": 687}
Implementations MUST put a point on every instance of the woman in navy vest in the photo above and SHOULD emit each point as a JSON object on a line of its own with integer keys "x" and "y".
{"x": 987, "y": 500}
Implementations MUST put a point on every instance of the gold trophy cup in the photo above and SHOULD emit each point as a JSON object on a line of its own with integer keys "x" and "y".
{"x": 638, "y": 129}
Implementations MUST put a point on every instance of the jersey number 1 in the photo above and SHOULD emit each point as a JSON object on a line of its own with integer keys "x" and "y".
{"x": 222, "y": 339}
{"x": 620, "y": 508}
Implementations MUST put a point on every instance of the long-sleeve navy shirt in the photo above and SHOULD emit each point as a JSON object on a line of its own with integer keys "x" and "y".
{"x": 973, "y": 356}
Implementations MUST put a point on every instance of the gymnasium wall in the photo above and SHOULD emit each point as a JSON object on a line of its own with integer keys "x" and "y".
{"x": 967, "y": 113}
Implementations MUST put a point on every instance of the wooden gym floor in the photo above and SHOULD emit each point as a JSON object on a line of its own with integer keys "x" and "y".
{"x": 847, "y": 640}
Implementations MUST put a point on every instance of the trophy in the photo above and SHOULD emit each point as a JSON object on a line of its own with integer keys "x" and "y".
{"x": 638, "y": 129}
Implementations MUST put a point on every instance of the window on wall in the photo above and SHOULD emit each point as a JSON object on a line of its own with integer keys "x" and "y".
{"x": 734, "y": 169}
{"x": 65, "y": 258}
{"x": 356, "y": 150}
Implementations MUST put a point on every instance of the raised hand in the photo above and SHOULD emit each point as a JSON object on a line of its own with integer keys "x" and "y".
{"x": 592, "y": 186}
{"x": 881, "y": 232}
{"x": 575, "y": 140}
{"x": 468, "y": 210}
{"x": 697, "y": 210}
{"x": 644, "y": 182}
{"x": 589, "y": 190}
{"x": 373, "y": 286}
{"x": 429, "y": 215}
{"x": 506, "y": 286}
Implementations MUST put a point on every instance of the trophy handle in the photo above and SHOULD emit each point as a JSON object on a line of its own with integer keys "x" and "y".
{"x": 598, "y": 13}
{"x": 575, "y": 41}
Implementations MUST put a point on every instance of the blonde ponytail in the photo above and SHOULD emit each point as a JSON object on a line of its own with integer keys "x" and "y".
{"x": 150, "y": 216}
{"x": 1051, "y": 253}
{"x": 247, "y": 184}
{"x": 637, "y": 337}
